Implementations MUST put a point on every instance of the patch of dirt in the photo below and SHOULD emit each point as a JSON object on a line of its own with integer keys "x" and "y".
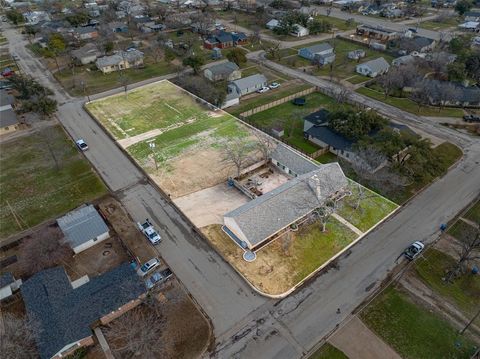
{"x": 270, "y": 272}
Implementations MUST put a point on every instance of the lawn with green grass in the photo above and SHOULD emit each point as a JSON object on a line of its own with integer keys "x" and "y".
{"x": 149, "y": 107}
{"x": 338, "y": 24}
{"x": 328, "y": 351}
{"x": 451, "y": 21}
{"x": 464, "y": 292}
{"x": 473, "y": 213}
{"x": 410, "y": 106}
{"x": 34, "y": 187}
{"x": 283, "y": 115}
{"x": 313, "y": 248}
{"x": 372, "y": 207}
{"x": 327, "y": 157}
{"x": 413, "y": 331}
{"x": 357, "y": 79}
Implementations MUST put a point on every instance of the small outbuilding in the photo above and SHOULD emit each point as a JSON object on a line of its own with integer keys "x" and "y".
{"x": 8, "y": 285}
{"x": 83, "y": 228}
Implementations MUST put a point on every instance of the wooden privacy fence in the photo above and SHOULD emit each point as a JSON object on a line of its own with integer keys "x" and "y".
{"x": 277, "y": 102}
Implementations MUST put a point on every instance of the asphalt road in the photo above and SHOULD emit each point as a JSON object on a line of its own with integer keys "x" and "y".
{"x": 247, "y": 325}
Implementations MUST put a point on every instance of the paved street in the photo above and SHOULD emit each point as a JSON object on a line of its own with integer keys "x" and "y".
{"x": 247, "y": 325}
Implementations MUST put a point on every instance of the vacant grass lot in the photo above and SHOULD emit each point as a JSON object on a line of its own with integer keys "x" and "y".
{"x": 336, "y": 23}
{"x": 410, "y": 106}
{"x": 34, "y": 187}
{"x": 464, "y": 292}
{"x": 473, "y": 213}
{"x": 280, "y": 266}
{"x": 414, "y": 332}
{"x": 289, "y": 116}
{"x": 158, "y": 105}
{"x": 461, "y": 230}
{"x": 328, "y": 351}
{"x": 451, "y": 21}
{"x": 372, "y": 208}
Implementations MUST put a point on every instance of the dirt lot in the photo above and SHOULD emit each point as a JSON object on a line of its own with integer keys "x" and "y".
{"x": 208, "y": 206}
{"x": 184, "y": 331}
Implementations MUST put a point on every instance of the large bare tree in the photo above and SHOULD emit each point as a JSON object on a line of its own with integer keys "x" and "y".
{"x": 44, "y": 250}
{"x": 236, "y": 152}
{"x": 467, "y": 251}
{"x": 17, "y": 337}
{"x": 265, "y": 145}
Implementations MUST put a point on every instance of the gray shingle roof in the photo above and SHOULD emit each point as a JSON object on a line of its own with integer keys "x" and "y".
{"x": 319, "y": 47}
{"x": 89, "y": 49}
{"x": 82, "y": 225}
{"x": 297, "y": 163}
{"x": 250, "y": 81}
{"x": 225, "y": 68}
{"x": 8, "y": 117}
{"x": 264, "y": 216}
{"x": 6, "y": 98}
{"x": 6, "y": 279}
{"x": 130, "y": 56}
{"x": 64, "y": 315}
{"x": 377, "y": 65}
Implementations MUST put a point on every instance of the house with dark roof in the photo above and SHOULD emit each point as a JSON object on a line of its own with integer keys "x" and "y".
{"x": 458, "y": 95}
{"x": 85, "y": 33}
{"x": 373, "y": 68}
{"x": 266, "y": 217}
{"x": 224, "y": 71}
{"x": 65, "y": 314}
{"x": 8, "y": 117}
{"x": 83, "y": 228}
{"x": 120, "y": 60}
{"x": 321, "y": 53}
{"x": 224, "y": 39}
{"x": 472, "y": 16}
{"x": 377, "y": 32}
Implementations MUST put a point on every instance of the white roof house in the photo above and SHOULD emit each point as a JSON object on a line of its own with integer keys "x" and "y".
{"x": 260, "y": 219}
{"x": 373, "y": 68}
{"x": 83, "y": 228}
{"x": 299, "y": 31}
{"x": 272, "y": 24}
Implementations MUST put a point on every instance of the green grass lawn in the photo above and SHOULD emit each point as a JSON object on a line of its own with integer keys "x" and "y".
{"x": 312, "y": 247}
{"x": 413, "y": 331}
{"x": 95, "y": 81}
{"x": 149, "y": 107}
{"x": 328, "y": 351}
{"x": 372, "y": 209}
{"x": 327, "y": 157}
{"x": 357, "y": 79}
{"x": 410, "y": 106}
{"x": 451, "y": 21}
{"x": 473, "y": 213}
{"x": 464, "y": 292}
{"x": 339, "y": 24}
{"x": 461, "y": 230}
{"x": 34, "y": 187}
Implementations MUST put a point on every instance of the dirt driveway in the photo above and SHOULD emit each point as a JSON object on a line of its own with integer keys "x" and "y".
{"x": 209, "y": 205}
{"x": 359, "y": 342}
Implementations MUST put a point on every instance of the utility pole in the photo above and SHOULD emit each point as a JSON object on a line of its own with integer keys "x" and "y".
{"x": 152, "y": 147}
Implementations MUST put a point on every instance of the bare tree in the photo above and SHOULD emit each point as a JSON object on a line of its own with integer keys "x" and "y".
{"x": 139, "y": 333}
{"x": 420, "y": 95}
{"x": 341, "y": 95}
{"x": 272, "y": 50}
{"x": 265, "y": 145}
{"x": 156, "y": 51}
{"x": 237, "y": 153}
{"x": 468, "y": 251}
{"x": 324, "y": 213}
{"x": 393, "y": 79}
{"x": 45, "y": 250}
{"x": 17, "y": 338}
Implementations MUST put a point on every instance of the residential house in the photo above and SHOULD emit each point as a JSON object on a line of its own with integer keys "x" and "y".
{"x": 8, "y": 285}
{"x": 321, "y": 53}
{"x": 299, "y": 31}
{"x": 247, "y": 85}
{"x": 417, "y": 44}
{"x": 225, "y": 71}
{"x": 472, "y": 16}
{"x": 403, "y": 60}
{"x": 376, "y": 32}
{"x": 373, "y": 68}
{"x": 272, "y": 24}
{"x": 117, "y": 26}
{"x": 458, "y": 95}
{"x": 473, "y": 26}
{"x": 476, "y": 41}
{"x": 65, "y": 312}
{"x": 85, "y": 33}
{"x": 35, "y": 17}
{"x": 8, "y": 117}
{"x": 83, "y": 228}
{"x": 356, "y": 54}
{"x": 266, "y": 217}
{"x": 224, "y": 39}
{"x": 120, "y": 60}
{"x": 86, "y": 54}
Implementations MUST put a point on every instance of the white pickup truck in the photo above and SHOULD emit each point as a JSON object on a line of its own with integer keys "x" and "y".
{"x": 147, "y": 229}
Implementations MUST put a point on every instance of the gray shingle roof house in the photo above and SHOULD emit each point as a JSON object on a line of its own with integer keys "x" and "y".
{"x": 248, "y": 84}
{"x": 83, "y": 228}
{"x": 373, "y": 68}
{"x": 258, "y": 220}
{"x": 291, "y": 162}
{"x": 225, "y": 71}
{"x": 65, "y": 315}
{"x": 311, "y": 52}
{"x": 8, "y": 117}
{"x": 86, "y": 54}
{"x": 120, "y": 60}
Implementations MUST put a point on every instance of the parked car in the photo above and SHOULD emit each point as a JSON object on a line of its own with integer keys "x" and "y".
{"x": 263, "y": 89}
{"x": 148, "y": 267}
{"x": 274, "y": 85}
{"x": 471, "y": 118}
{"x": 153, "y": 280}
{"x": 414, "y": 250}
{"x": 149, "y": 231}
{"x": 81, "y": 144}
{"x": 166, "y": 273}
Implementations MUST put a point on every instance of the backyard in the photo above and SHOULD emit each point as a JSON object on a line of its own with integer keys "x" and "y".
{"x": 393, "y": 314}
{"x": 328, "y": 351}
{"x": 43, "y": 176}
